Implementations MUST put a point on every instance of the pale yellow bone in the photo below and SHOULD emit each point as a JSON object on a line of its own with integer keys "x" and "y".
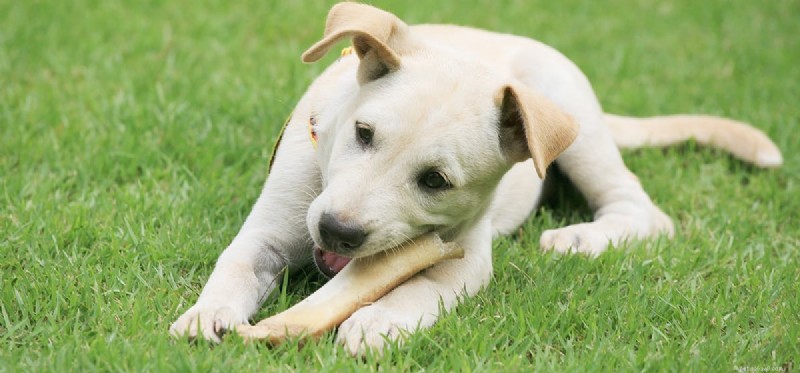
{"x": 361, "y": 282}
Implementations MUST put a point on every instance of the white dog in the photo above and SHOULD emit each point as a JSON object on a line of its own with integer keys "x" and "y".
{"x": 446, "y": 129}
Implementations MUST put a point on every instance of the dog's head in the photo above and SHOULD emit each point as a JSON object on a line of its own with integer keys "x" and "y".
{"x": 423, "y": 141}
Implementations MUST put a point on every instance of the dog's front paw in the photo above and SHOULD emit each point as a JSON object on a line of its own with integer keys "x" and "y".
{"x": 207, "y": 321}
{"x": 373, "y": 327}
{"x": 579, "y": 238}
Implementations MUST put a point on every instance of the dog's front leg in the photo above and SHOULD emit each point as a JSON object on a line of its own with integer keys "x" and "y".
{"x": 415, "y": 304}
{"x": 273, "y": 238}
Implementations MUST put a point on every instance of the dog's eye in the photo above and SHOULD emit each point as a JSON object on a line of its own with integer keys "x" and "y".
{"x": 434, "y": 180}
{"x": 364, "y": 133}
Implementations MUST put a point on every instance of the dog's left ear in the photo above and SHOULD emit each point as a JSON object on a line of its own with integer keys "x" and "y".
{"x": 379, "y": 38}
{"x": 533, "y": 126}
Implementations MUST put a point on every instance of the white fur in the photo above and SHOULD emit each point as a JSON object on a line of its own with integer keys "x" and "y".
{"x": 438, "y": 108}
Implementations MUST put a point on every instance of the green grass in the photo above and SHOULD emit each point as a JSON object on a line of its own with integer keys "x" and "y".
{"x": 134, "y": 137}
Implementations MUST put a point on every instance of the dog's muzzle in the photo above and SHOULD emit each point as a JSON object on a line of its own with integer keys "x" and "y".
{"x": 341, "y": 238}
{"x": 339, "y": 235}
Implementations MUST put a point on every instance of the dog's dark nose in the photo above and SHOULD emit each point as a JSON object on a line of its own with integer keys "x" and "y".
{"x": 340, "y": 236}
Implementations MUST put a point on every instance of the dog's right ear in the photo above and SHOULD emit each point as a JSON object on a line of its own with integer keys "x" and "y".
{"x": 533, "y": 126}
{"x": 379, "y": 38}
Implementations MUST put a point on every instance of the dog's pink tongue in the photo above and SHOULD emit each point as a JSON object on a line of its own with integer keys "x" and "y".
{"x": 328, "y": 262}
{"x": 334, "y": 262}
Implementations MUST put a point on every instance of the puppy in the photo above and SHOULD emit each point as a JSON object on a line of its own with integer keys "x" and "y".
{"x": 446, "y": 129}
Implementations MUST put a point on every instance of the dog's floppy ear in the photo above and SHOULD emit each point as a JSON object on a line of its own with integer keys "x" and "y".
{"x": 379, "y": 38}
{"x": 533, "y": 126}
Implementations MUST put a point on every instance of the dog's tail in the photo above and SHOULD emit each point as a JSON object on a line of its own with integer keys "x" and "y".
{"x": 740, "y": 139}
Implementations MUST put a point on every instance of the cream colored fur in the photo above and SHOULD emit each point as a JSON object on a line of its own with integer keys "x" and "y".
{"x": 740, "y": 139}
{"x": 488, "y": 110}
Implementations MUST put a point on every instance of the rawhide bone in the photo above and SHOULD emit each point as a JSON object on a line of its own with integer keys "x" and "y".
{"x": 361, "y": 282}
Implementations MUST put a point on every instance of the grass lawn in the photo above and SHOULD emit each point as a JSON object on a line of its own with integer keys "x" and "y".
{"x": 134, "y": 138}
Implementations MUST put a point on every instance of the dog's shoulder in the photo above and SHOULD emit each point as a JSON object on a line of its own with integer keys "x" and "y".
{"x": 490, "y": 47}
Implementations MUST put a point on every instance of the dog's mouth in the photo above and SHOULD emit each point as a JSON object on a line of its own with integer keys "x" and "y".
{"x": 329, "y": 263}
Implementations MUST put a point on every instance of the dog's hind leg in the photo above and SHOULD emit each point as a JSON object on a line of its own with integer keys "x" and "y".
{"x": 623, "y": 210}
{"x": 274, "y": 237}
{"x": 592, "y": 162}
